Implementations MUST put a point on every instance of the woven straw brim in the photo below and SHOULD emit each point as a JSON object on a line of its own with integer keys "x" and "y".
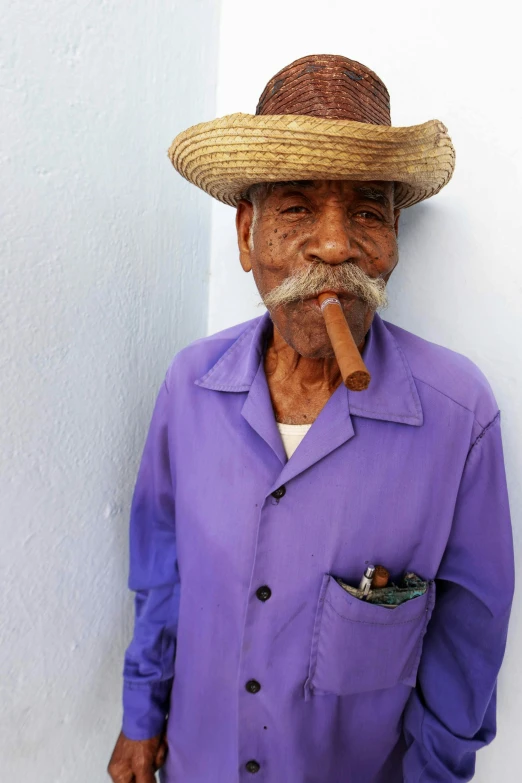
{"x": 226, "y": 156}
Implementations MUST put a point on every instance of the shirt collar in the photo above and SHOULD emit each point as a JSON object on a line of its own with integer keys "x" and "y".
{"x": 391, "y": 396}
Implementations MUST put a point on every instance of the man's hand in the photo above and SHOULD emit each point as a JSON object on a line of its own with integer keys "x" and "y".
{"x": 136, "y": 761}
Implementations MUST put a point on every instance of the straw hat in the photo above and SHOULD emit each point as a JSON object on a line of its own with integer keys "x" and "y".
{"x": 321, "y": 117}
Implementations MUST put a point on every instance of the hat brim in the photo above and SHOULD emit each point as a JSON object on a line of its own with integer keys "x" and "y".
{"x": 226, "y": 156}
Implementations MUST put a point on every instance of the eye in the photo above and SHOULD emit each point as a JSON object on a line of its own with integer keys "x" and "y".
{"x": 295, "y": 210}
{"x": 369, "y": 215}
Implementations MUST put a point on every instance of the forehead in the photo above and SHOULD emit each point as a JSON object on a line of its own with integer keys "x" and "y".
{"x": 374, "y": 190}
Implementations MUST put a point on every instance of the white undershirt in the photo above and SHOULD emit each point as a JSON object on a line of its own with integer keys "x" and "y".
{"x": 292, "y": 435}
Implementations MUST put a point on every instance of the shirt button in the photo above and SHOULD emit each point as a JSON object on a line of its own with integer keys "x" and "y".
{"x": 263, "y": 593}
{"x": 253, "y": 686}
{"x": 278, "y": 493}
{"x": 252, "y": 766}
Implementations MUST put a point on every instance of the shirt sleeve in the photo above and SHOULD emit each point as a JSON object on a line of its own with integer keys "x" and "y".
{"x": 452, "y": 711}
{"x": 154, "y": 577}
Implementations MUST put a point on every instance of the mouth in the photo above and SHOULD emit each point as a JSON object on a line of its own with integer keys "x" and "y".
{"x": 313, "y": 301}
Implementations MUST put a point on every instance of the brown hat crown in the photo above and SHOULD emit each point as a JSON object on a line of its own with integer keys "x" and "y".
{"x": 329, "y": 86}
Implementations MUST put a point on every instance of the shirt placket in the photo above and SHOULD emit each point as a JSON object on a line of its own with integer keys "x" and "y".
{"x": 256, "y": 698}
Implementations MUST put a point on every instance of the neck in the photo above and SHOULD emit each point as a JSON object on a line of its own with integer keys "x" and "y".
{"x": 299, "y": 387}
{"x": 283, "y": 363}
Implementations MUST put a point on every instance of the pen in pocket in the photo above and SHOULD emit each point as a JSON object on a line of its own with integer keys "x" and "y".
{"x": 366, "y": 582}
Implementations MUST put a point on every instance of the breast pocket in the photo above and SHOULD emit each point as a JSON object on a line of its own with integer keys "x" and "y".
{"x": 358, "y": 646}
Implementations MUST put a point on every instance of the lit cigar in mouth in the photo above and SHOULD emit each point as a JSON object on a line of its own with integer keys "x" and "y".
{"x": 353, "y": 370}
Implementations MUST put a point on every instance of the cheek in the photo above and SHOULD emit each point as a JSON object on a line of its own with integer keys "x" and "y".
{"x": 380, "y": 251}
{"x": 275, "y": 253}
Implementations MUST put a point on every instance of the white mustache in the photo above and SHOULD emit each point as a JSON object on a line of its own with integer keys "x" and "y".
{"x": 346, "y": 278}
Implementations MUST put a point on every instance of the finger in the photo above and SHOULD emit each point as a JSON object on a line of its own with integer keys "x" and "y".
{"x": 160, "y": 755}
{"x": 118, "y": 775}
{"x": 145, "y": 775}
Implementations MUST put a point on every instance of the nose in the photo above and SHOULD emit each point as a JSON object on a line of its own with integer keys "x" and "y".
{"x": 333, "y": 239}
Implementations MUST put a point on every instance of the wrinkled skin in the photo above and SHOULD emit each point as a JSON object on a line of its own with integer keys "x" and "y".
{"x": 296, "y": 225}
{"x": 136, "y": 761}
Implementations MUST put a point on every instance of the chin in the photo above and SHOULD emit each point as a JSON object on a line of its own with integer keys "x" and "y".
{"x": 323, "y": 351}
{"x": 316, "y": 347}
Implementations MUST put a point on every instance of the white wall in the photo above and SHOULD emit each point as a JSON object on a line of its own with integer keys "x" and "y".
{"x": 104, "y": 276}
{"x": 459, "y": 280}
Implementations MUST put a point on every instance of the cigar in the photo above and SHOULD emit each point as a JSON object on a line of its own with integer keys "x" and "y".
{"x": 353, "y": 370}
{"x": 380, "y": 576}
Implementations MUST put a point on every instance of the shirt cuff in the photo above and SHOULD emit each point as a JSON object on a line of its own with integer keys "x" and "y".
{"x": 145, "y": 708}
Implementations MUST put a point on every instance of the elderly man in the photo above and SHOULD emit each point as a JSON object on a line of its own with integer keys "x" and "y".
{"x": 267, "y": 488}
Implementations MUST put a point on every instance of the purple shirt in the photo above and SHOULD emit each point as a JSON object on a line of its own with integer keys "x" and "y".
{"x": 264, "y": 665}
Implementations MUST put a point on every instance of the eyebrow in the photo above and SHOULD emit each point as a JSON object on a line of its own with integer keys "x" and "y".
{"x": 295, "y": 183}
{"x": 373, "y": 194}
{"x": 364, "y": 190}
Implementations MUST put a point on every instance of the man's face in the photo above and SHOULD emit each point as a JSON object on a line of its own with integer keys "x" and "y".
{"x": 293, "y": 226}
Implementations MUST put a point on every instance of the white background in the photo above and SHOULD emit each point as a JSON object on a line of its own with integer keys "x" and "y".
{"x": 105, "y": 261}
{"x": 104, "y": 266}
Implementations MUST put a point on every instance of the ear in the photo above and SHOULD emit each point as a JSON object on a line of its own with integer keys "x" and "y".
{"x": 244, "y": 217}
